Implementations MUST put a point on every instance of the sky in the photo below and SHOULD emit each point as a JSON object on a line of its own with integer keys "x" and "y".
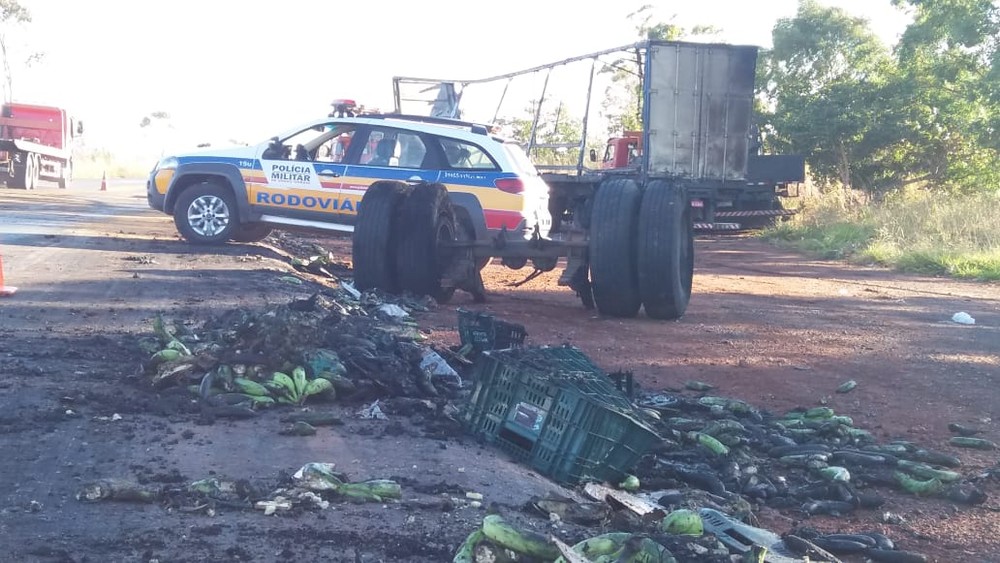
{"x": 249, "y": 69}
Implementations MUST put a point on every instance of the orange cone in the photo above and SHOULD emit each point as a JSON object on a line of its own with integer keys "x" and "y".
{"x": 104, "y": 182}
{"x": 5, "y": 291}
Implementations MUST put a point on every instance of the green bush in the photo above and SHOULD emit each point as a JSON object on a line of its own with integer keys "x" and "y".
{"x": 912, "y": 230}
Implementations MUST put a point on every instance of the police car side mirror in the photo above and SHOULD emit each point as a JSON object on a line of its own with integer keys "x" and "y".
{"x": 593, "y": 155}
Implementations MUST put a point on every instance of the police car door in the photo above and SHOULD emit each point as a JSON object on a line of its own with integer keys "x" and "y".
{"x": 387, "y": 154}
{"x": 301, "y": 176}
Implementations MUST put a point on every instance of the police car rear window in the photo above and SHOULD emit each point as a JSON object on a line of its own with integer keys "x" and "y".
{"x": 466, "y": 156}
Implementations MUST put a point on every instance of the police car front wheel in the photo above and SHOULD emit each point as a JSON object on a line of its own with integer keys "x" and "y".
{"x": 206, "y": 214}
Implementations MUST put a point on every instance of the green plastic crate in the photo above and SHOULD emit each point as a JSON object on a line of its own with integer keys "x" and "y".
{"x": 485, "y": 332}
{"x": 553, "y": 409}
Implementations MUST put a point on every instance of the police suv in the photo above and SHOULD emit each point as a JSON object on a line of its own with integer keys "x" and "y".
{"x": 315, "y": 176}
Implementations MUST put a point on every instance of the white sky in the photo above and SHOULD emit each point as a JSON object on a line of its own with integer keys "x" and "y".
{"x": 248, "y": 69}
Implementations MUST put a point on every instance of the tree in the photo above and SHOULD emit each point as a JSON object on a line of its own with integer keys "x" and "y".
{"x": 12, "y": 16}
{"x": 950, "y": 74}
{"x": 824, "y": 85}
{"x": 555, "y": 126}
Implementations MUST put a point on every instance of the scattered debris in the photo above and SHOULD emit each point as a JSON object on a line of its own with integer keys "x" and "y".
{"x": 963, "y": 318}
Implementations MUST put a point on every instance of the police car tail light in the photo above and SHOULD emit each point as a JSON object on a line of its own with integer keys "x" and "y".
{"x": 509, "y": 185}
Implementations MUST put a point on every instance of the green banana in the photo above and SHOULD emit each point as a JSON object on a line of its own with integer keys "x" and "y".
{"x": 260, "y": 399}
{"x": 179, "y": 346}
{"x": 467, "y": 551}
{"x": 847, "y": 386}
{"x": 375, "y": 490}
{"x": 285, "y": 383}
{"x": 713, "y": 445}
{"x": 924, "y": 471}
{"x": 683, "y": 522}
{"x": 978, "y": 443}
{"x": 698, "y": 386}
{"x": 819, "y": 412}
{"x": 300, "y": 381}
{"x": 723, "y": 427}
{"x": 527, "y": 543}
{"x": 165, "y": 355}
{"x": 631, "y": 484}
{"x": 604, "y": 544}
{"x": 317, "y": 386}
{"x": 916, "y": 486}
{"x": 250, "y": 387}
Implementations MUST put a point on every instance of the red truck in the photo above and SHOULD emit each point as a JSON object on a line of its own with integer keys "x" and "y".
{"x": 36, "y": 143}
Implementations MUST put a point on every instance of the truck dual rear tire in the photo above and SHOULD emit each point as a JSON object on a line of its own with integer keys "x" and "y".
{"x": 373, "y": 248}
{"x": 26, "y": 174}
{"x": 206, "y": 214}
{"x": 665, "y": 250}
{"x": 427, "y": 219}
{"x": 613, "y": 248}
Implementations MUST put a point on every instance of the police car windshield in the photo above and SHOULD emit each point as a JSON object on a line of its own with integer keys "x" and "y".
{"x": 520, "y": 160}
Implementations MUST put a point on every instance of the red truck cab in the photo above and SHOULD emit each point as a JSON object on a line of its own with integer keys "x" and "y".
{"x": 36, "y": 142}
{"x": 622, "y": 152}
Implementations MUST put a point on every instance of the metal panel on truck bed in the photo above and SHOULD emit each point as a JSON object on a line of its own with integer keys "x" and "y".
{"x": 698, "y": 106}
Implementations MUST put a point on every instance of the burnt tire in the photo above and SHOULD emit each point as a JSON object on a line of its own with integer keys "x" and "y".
{"x": 251, "y": 232}
{"x": 206, "y": 213}
{"x": 429, "y": 219}
{"x": 612, "y": 248}
{"x": 665, "y": 250}
{"x": 373, "y": 246}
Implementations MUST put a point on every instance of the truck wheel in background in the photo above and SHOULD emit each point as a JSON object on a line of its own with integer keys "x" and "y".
{"x": 65, "y": 175}
{"x": 373, "y": 248}
{"x": 250, "y": 232}
{"x": 665, "y": 250}
{"x": 205, "y": 213}
{"x": 19, "y": 179}
{"x": 427, "y": 219}
{"x": 31, "y": 176}
{"x": 612, "y": 248}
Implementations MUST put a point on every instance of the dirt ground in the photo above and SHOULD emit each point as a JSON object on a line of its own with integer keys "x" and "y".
{"x": 766, "y": 326}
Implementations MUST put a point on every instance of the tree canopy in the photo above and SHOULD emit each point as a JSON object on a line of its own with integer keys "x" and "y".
{"x": 873, "y": 118}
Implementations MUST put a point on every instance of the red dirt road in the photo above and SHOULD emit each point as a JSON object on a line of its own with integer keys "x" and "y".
{"x": 764, "y": 325}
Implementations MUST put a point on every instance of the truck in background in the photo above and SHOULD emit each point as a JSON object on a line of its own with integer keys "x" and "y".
{"x": 36, "y": 143}
{"x": 725, "y": 203}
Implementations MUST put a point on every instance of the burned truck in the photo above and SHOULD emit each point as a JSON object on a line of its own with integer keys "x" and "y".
{"x": 625, "y": 235}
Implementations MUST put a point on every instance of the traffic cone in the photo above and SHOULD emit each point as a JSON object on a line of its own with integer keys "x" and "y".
{"x": 5, "y": 291}
{"x": 104, "y": 182}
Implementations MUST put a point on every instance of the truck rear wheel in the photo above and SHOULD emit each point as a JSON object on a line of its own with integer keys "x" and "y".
{"x": 612, "y": 248}
{"x": 22, "y": 172}
{"x": 665, "y": 250}
{"x": 65, "y": 175}
{"x": 206, "y": 214}
{"x": 31, "y": 175}
{"x": 373, "y": 248}
{"x": 428, "y": 220}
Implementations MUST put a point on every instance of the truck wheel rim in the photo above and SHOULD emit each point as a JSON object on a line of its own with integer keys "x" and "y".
{"x": 208, "y": 215}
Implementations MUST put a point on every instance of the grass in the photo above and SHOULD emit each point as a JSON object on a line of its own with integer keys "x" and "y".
{"x": 913, "y": 231}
